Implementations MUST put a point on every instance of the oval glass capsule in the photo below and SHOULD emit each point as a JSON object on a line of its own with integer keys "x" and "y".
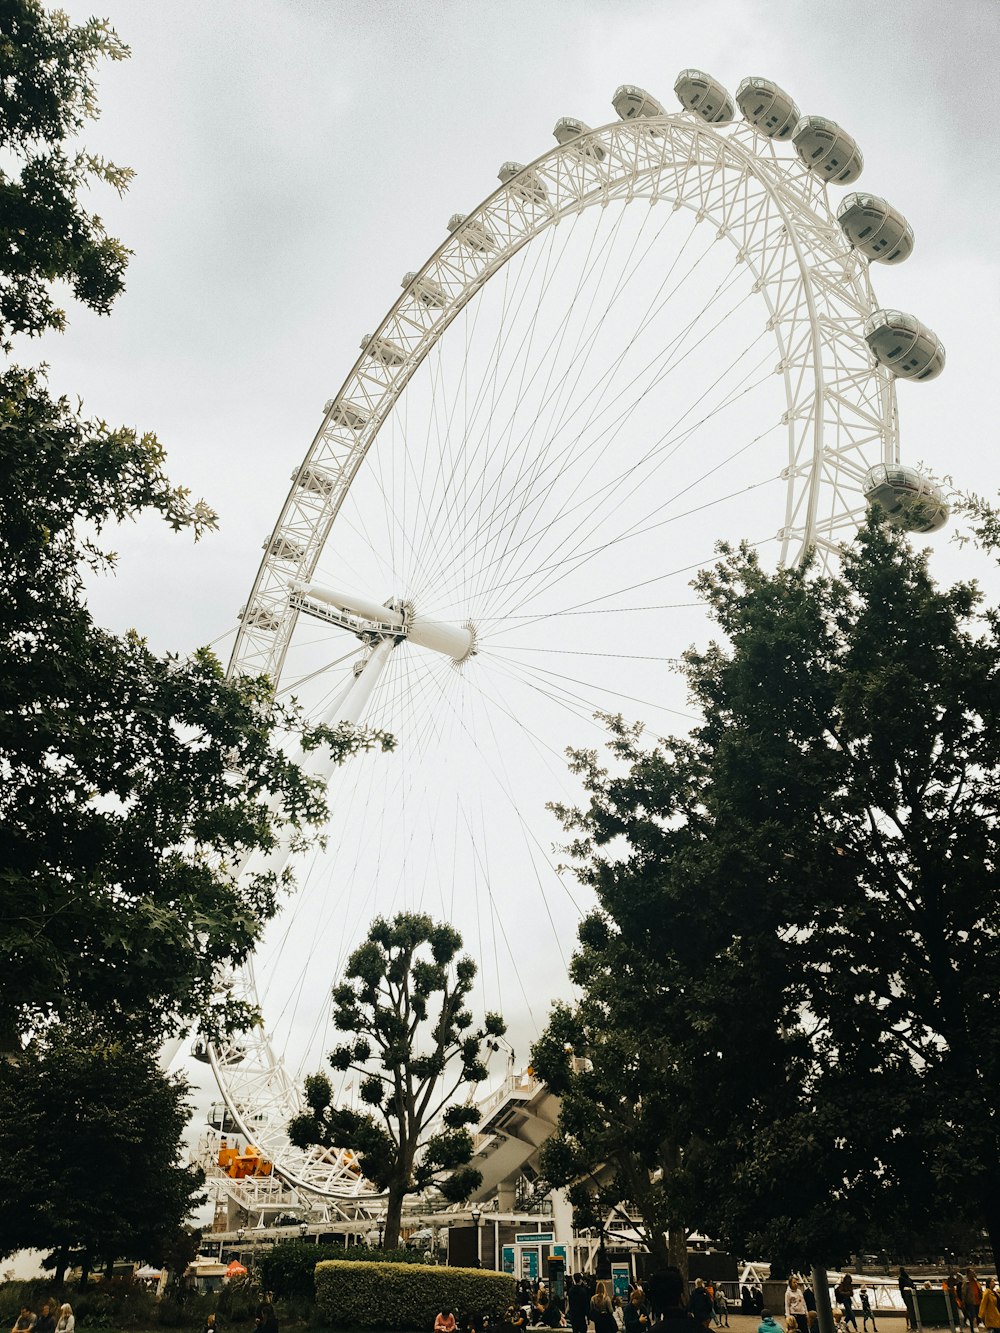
{"x": 706, "y": 97}
{"x": 910, "y": 499}
{"x": 631, "y": 102}
{"x": 903, "y": 345}
{"x": 569, "y": 129}
{"x": 768, "y": 108}
{"x": 525, "y": 185}
{"x": 875, "y": 228}
{"x": 827, "y": 150}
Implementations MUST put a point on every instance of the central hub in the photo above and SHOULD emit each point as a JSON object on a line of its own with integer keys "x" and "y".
{"x": 394, "y": 619}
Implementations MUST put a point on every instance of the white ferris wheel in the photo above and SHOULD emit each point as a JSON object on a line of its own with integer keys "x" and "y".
{"x": 659, "y": 333}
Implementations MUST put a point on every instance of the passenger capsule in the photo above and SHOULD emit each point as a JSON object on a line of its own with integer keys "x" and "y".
{"x": 699, "y": 92}
{"x": 346, "y": 414}
{"x": 828, "y": 150}
{"x": 473, "y": 234}
{"x": 284, "y": 549}
{"x": 383, "y": 350}
{"x": 907, "y": 347}
{"x": 426, "y": 290}
{"x": 910, "y": 499}
{"x": 524, "y": 184}
{"x": 260, "y": 617}
{"x": 875, "y": 228}
{"x": 768, "y": 108}
{"x": 631, "y": 103}
{"x": 569, "y": 129}
{"x": 312, "y": 479}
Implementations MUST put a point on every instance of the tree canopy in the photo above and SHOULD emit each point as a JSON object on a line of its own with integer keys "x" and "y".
{"x": 802, "y": 893}
{"x": 47, "y": 95}
{"x": 90, "y": 1136}
{"x": 132, "y": 785}
{"x": 412, "y": 1042}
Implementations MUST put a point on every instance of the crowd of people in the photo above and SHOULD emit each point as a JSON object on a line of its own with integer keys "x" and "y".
{"x": 657, "y": 1304}
{"x": 660, "y": 1304}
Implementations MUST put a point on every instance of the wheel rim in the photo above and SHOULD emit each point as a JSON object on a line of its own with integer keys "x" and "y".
{"x": 838, "y": 418}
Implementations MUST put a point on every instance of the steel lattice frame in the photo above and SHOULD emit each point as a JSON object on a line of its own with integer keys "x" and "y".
{"x": 840, "y": 419}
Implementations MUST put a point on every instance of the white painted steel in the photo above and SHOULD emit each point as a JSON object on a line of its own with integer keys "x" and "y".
{"x": 840, "y": 416}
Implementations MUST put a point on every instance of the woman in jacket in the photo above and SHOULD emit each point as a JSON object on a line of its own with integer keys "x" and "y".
{"x": 988, "y": 1311}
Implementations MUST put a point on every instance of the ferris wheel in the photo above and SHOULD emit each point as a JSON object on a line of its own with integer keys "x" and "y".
{"x": 658, "y": 333}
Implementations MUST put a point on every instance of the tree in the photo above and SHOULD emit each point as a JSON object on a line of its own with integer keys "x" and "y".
{"x": 132, "y": 785}
{"x": 90, "y": 1136}
{"x": 402, "y": 1006}
{"x": 670, "y": 982}
{"x": 47, "y": 94}
{"x": 834, "y": 819}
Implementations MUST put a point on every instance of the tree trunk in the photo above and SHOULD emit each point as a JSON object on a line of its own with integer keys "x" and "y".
{"x": 821, "y": 1291}
{"x": 62, "y": 1262}
{"x": 677, "y": 1251}
{"x": 85, "y": 1272}
{"x": 393, "y": 1215}
{"x": 109, "y": 1269}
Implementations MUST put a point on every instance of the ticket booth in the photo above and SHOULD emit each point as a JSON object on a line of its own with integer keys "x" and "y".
{"x": 532, "y": 1255}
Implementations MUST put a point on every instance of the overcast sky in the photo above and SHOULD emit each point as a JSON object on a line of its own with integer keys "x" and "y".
{"x": 295, "y": 159}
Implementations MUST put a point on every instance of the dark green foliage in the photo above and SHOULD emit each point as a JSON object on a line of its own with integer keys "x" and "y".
{"x": 288, "y": 1269}
{"x": 403, "y": 1009}
{"x": 133, "y": 784}
{"x": 796, "y": 956}
{"x": 237, "y": 1302}
{"x": 47, "y": 94}
{"x": 406, "y": 1296}
{"x": 90, "y": 1137}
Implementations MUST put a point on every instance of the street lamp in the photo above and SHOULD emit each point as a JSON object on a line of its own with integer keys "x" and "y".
{"x": 477, "y": 1217}
{"x": 241, "y": 1232}
{"x": 303, "y": 1229}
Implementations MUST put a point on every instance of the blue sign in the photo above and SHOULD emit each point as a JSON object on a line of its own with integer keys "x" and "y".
{"x": 620, "y": 1274}
{"x": 507, "y": 1263}
{"x": 529, "y": 1264}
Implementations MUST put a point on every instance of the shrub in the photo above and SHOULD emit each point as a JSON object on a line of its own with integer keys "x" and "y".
{"x": 288, "y": 1269}
{"x": 405, "y": 1296}
{"x": 238, "y": 1301}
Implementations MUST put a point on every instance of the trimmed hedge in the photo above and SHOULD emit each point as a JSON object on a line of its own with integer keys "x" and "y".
{"x": 405, "y": 1296}
{"x": 288, "y": 1269}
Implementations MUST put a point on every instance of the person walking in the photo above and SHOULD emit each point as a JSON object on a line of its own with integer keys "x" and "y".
{"x": 795, "y": 1304}
{"x": 844, "y": 1293}
{"x": 864, "y": 1300}
{"x": 988, "y": 1311}
{"x": 578, "y": 1298}
{"x": 701, "y": 1304}
{"x": 721, "y": 1308}
{"x": 972, "y": 1295}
